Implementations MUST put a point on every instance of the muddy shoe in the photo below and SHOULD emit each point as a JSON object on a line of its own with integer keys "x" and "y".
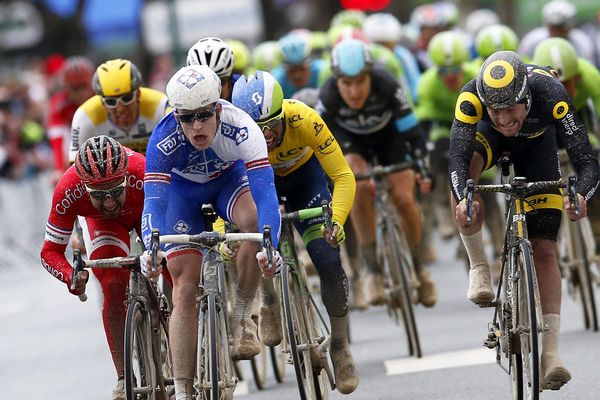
{"x": 245, "y": 342}
{"x": 554, "y": 373}
{"x": 427, "y": 291}
{"x": 269, "y": 322}
{"x": 480, "y": 285}
{"x": 374, "y": 292}
{"x": 118, "y": 392}
{"x": 346, "y": 377}
{"x": 359, "y": 301}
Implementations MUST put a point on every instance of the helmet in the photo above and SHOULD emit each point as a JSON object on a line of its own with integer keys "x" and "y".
{"x": 241, "y": 55}
{"x": 495, "y": 38}
{"x": 318, "y": 42}
{"x": 116, "y": 77}
{"x": 479, "y": 19}
{"x": 435, "y": 15}
{"x": 295, "y": 48}
{"x": 77, "y": 71}
{"x": 502, "y": 80}
{"x": 214, "y": 53}
{"x": 259, "y": 96}
{"x": 559, "y": 54}
{"x": 193, "y": 87}
{"x": 350, "y": 57}
{"x": 448, "y": 49}
{"x": 267, "y": 55}
{"x": 382, "y": 27}
{"x": 558, "y": 13}
{"x": 101, "y": 159}
{"x": 353, "y": 18}
{"x": 340, "y": 32}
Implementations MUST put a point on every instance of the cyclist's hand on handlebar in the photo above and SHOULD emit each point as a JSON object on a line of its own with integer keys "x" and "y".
{"x": 81, "y": 281}
{"x": 570, "y": 210}
{"x": 269, "y": 271}
{"x": 460, "y": 212}
{"x": 336, "y": 236}
{"x": 228, "y": 251}
{"x": 149, "y": 270}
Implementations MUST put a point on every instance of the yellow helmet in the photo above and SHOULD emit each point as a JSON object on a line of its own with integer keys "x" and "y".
{"x": 116, "y": 77}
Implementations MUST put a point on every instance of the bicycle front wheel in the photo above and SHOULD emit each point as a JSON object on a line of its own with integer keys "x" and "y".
{"x": 140, "y": 373}
{"x": 528, "y": 322}
{"x": 398, "y": 267}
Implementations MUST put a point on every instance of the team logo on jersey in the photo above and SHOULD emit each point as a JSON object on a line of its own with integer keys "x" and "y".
{"x": 235, "y": 133}
{"x": 169, "y": 144}
{"x": 325, "y": 147}
{"x": 181, "y": 227}
{"x": 317, "y": 127}
{"x": 190, "y": 78}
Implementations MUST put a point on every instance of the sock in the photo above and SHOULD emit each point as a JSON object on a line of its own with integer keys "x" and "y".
{"x": 183, "y": 388}
{"x": 474, "y": 246}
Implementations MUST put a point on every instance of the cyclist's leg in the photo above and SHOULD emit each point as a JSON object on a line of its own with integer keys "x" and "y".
{"x": 110, "y": 240}
{"x": 235, "y": 204}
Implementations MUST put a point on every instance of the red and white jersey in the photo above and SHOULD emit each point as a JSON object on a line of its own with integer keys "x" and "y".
{"x": 71, "y": 200}
{"x": 60, "y": 115}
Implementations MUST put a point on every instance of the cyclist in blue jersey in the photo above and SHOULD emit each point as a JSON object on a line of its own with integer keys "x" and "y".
{"x": 299, "y": 70}
{"x": 208, "y": 151}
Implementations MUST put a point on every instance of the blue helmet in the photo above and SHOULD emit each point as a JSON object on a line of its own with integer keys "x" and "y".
{"x": 295, "y": 48}
{"x": 350, "y": 57}
{"x": 259, "y": 96}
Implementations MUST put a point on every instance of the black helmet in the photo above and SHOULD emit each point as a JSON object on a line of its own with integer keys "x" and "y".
{"x": 502, "y": 80}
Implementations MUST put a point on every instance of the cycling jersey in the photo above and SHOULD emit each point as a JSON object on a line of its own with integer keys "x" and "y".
{"x": 60, "y": 114}
{"x": 91, "y": 119}
{"x": 387, "y": 103}
{"x": 173, "y": 163}
{"x": 71, "y": 200}
{"x": 549, "y": 107}
{"x": 587, "y": 86}
{"x": 306, "y": 134}
{"x": 318, "y": 70}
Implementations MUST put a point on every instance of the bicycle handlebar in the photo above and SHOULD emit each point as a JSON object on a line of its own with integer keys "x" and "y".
{"x": 210, "y": 238}
{"x": 573, "y": 199}
{"x": 379, "y": 171}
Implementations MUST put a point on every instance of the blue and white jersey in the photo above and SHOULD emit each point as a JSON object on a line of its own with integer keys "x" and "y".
{"x": 171, "y": 156}
{"x": 317, "y": 70}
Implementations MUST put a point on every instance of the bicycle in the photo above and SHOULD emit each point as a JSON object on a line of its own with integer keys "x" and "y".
{"x": 394, "y": 254}
{"x": 148, "y": 363}
{"x": 306, "y": 333}
{"x": 215, "y": 371}
{"x": 517, "y": 321}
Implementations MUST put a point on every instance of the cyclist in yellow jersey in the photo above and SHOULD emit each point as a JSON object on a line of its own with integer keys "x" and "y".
{"x": 304, "y": 153}
{"x": 122, "y": 109}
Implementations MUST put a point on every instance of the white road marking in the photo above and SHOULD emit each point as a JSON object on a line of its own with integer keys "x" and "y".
{"x": 432, "y": 362}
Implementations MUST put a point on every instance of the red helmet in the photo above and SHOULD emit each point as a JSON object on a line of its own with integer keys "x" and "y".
{"x": 78, "y": 71}
{"x": 101, "y": 159}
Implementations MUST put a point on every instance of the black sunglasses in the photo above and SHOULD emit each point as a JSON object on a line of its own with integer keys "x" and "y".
{"x": 102, "y": 195}
{"x": 113, "y": 102}
{"x": 201, "y": 116}
{"x": 271, "y": 124}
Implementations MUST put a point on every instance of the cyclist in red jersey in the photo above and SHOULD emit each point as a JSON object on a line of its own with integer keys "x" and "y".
{"x": 105, "y": 190}
{"x": 76, "y": 75}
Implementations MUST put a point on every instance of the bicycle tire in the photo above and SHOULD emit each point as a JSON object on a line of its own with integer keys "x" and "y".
{"x": 258, "y": 365}
{"x": 528, "y": 320}
{"x": 278, "y": 363}
{"x": 140, "y": 376}
{"x": 398, "y": 269}
{"x": 584, "y": 280}
{"x": 166, "y": 371}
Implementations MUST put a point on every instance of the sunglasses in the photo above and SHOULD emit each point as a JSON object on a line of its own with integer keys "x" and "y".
{"x": 102, "y": 195}
{"x": 113, "y": 102}
{"x": 201, "y": 116}
{"x": 447, "y": 70}
{"x": 271, "y": 124}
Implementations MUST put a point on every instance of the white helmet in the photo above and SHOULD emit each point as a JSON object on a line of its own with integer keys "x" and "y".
{"x": 382, "y": 27}
{"x": 479, "y": 19}
{"x": 193, "y": 87}
{"x": 558, "y": 12}
{"x": 214, "y": 53}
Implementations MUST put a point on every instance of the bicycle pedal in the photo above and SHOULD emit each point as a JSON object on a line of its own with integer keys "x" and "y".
{"x": 490, "y": 343}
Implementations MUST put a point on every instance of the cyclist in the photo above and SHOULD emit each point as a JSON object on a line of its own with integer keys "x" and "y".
{"x": 494, "y": 38}
{"x": 299, "y": 69}
{"x": 121, "y": 109}
{"x": 304, "y": 153}
{"x": 559, "y": 20}
{"x": 105, "y": 188}
{"x": 76, "y": 74}
{"x": 370, "y": 115}
{"x": 266, "y": 55}
{"x": 218, "y": 56}
{"x": 512, "y": 107}
{"x": 208, "y": 151}
{"x": 438, "y": 90}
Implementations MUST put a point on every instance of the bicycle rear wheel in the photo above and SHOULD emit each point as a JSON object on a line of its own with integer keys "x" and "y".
{"x": 398, "y": 266}
{"x": 528, "y": 321}
{"x": 140, "y": 373}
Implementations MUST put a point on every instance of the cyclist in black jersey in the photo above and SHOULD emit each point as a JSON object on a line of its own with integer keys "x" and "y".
{"x": 370, "y": 116}
{"x": 520, "y": 109}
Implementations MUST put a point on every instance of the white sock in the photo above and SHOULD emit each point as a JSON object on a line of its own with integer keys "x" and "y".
{"x": 550, "y": 337}
{"x": 474, "y": 246}
{"x": 242, "y": 310}
{"x": 183, "y": 388}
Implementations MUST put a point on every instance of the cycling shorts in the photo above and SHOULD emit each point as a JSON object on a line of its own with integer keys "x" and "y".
{"x": 535, "y": 159}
